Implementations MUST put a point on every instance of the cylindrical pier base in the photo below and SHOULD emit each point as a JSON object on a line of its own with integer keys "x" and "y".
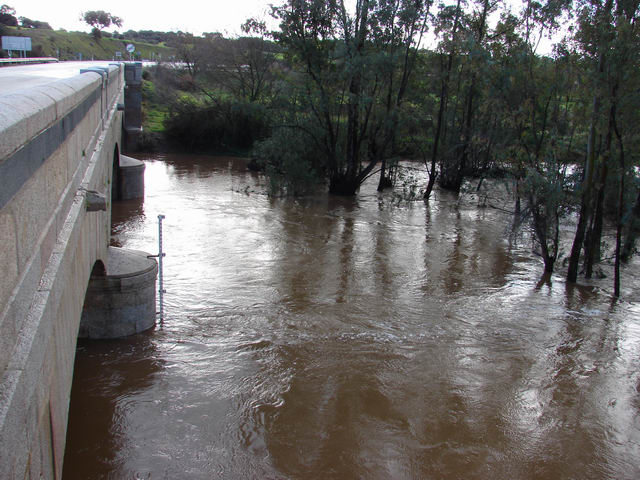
{"x": 123, "y": 301}
{"x": 131, "y": 178}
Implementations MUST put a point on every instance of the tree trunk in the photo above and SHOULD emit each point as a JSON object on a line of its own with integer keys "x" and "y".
{"x": 343, "y": 185}
{"x": 540, "y": 228}
{"x": 632, "y": 232}
{"x": 594, "y": 236}
{"x": 432, "y": 180}
{"x": 586, "y": 200}
{"x": 586, "y": 204}
{"x": 462, "y": 163}
{"x": 616, "y": 275}
{"x": 444, "y": 99}
{"x": 468, "y": 125}
{"x": 593, "y": 253}
{"x": 384, "y": 181}
{"x": 518, "y": 207}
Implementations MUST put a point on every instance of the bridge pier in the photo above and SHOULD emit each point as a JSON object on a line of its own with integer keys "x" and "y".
{"x": 120, "y": 300}
{"x": 130, "y": 178}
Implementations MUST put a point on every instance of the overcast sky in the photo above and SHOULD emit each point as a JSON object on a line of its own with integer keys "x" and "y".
{"x": 193, "y": 16}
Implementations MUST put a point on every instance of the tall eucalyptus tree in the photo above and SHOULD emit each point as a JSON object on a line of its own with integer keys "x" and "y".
{"x": 351, "y": 67}
{"x": 533, "y": 96}
{"x": 608, "y": 39}
{"x": 471, "y": 31}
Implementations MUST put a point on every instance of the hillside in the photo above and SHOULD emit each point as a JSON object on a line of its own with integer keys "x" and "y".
{"x": 67, "y": 45}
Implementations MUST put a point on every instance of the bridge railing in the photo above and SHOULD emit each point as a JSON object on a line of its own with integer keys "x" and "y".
{"x": 26, "y": 61}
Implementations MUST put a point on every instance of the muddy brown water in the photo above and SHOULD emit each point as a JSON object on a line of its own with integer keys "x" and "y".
{"x": 353, "y": 338}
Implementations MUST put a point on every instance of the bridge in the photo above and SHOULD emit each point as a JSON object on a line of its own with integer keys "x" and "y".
{"x": 60, "y": 170}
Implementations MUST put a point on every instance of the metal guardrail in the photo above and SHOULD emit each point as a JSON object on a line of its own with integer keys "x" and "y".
{"x": 26, "y": 61}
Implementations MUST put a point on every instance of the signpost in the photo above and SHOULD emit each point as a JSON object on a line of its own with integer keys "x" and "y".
{"x": 131, "y": 48}
{"x": 19, "y": 44}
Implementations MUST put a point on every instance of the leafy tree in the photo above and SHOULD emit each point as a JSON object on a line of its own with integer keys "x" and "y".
{"x": 149, "y": 36}
{"x": 193, "y": 53}
{"x": 608, "y": 39}
{"x": 28, "y": 23}
{"x": 292, "y": 163}
{"x": 245, "y": 66}
{"x": 350, "y": 71}
{"x": 533, "y": 98}
{"x": 448, "y": 26}
{"x": 469, "y": 40}
{"x": 99, "y": 20}
{"x": 8, "y": 16}
{"x": 215, "y": 124}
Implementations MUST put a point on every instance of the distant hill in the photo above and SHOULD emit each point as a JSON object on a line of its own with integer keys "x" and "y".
{"x": 69, "y": 45}
{"x": 149, "y": 36}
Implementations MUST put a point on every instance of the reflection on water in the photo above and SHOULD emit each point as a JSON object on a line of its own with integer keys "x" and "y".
{"x": 347, "y": 338}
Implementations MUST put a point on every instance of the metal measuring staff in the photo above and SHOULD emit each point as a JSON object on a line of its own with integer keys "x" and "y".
{"x": 160, "y": 256}
{"x": 161, "y": 290}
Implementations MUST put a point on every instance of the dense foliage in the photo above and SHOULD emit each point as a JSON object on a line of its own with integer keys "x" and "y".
{"x": 222, "y": 125}
{"x": 345, "y": 89}
{"x": 28, "y": 23}
{"x": 8, "y": 16}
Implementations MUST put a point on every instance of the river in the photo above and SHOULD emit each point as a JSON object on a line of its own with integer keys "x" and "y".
{"x": 353, "y": 338}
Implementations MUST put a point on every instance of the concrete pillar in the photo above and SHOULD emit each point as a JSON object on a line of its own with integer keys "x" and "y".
{"x": 123, "y": 300}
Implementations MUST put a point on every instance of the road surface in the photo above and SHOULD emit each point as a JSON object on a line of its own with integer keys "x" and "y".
{"x": 24, "y": 77}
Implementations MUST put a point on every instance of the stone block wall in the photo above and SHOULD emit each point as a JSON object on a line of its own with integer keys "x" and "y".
{"x": 56, "y": 143}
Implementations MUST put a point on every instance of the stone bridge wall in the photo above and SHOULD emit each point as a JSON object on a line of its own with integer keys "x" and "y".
{"x": 57, "y": 142}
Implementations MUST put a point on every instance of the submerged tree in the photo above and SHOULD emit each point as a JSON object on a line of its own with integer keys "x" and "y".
{"x": 533, "y": 99}
{"x": 350, "y": 71}
{"x": 448, "y": 17}
{"x": 466, "y": 49}
{"x": 608, "y": 38}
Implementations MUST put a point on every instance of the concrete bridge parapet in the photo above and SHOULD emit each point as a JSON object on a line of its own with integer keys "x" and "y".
{"x": 58, "y": 146}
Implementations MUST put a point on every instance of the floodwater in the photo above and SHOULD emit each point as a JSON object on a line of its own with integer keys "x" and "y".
{"x": 353, "y": 338}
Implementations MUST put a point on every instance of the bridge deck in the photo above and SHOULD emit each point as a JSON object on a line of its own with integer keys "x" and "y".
{"x": 24, "y": 77}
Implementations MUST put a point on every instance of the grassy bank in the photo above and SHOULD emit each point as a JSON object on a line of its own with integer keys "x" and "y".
{"x": 68, "y": 45}
{"x": 155, "y": 110}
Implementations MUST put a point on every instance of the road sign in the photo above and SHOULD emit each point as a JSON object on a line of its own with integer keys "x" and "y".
{"x": 22, "y": 44}
{"x": 131, "y": 48}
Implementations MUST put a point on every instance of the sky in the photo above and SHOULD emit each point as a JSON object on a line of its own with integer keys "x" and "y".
{"x": 193, "y": 16}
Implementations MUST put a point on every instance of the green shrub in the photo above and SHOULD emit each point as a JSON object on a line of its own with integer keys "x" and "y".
{"x": 291, "y": 161}
{"x": 220, "y": 126}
